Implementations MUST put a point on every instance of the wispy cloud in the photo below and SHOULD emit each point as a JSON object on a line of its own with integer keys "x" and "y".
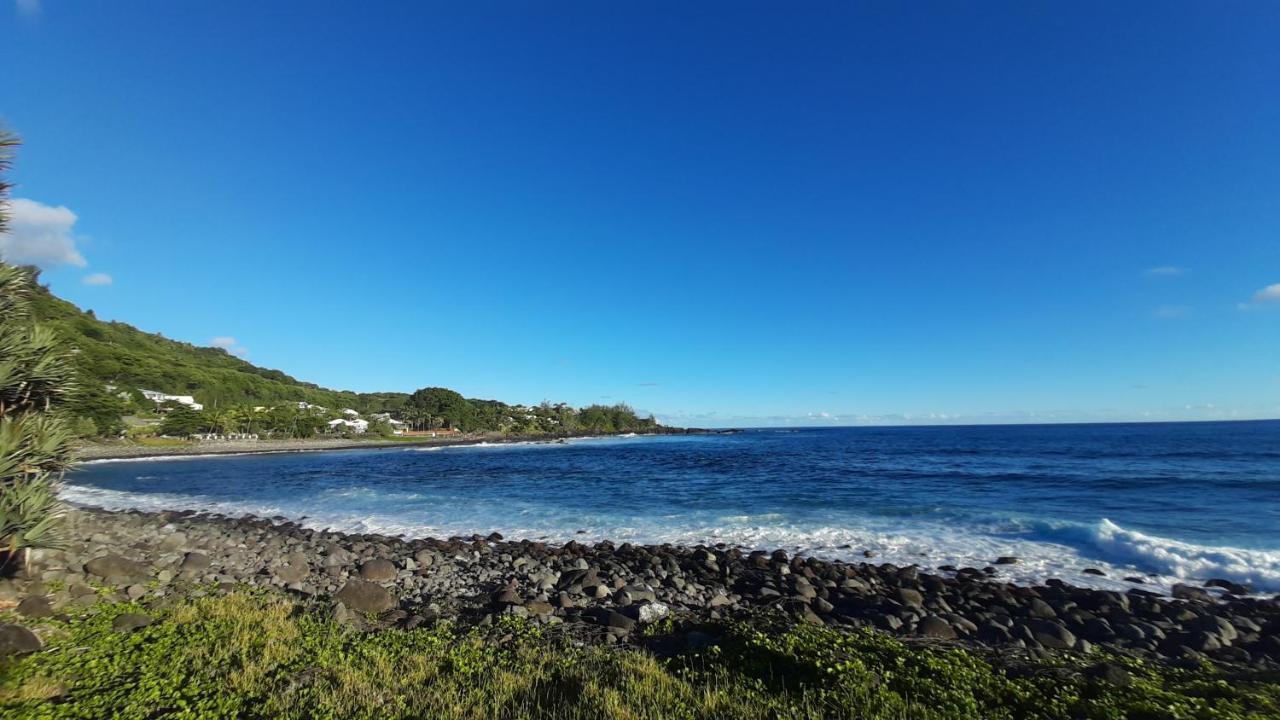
{"x": 1269, "y": 295}
{"x": 40, "y": 235}
{"x": 97, "y": 279}
{"x": 1172, "y": 312}
{"x": 1163, "y": 271}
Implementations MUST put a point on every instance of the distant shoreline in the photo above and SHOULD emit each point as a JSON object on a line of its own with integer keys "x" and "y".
{"x": 112, "y": 451}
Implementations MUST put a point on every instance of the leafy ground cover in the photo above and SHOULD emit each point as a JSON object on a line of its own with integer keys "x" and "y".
{"x": 259, "y": 655}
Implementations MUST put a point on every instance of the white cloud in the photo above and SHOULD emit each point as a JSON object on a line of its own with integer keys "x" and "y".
{"x": 40, "y": 235}
{"x": 97, "y": 279}
{"x": 1270, "y": 293}
{"x": 1163, "y": 271}
{"x": 1266, "y": 296}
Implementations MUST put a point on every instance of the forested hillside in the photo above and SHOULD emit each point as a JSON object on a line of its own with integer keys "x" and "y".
{"x": 119, "y": 354}
{"x": 116, "y": 360}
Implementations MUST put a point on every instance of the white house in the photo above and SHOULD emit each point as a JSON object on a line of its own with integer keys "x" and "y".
{"x": 350, "y": 413}
{"x": 355, "y": 426}
{"x": 159, "y": 397}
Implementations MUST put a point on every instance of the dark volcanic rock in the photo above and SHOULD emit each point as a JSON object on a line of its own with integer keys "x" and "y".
{"x": 17, "y": 640}
{"x": 1231, "y": 587}
{"x": 378, "y": 570}
{"x": 935, "y": 627}
{"x": 114, "y": 566}
{"x": 478, "y": 578}
{"x": 364, "y": 596}
{"x": 35, "y": 607}
{"x": 1187, "y": 592}
{"x": 195, "y": 562}
{"x": 128, "y": 622}
{"x": 1109, "y": 673}
{"x": 293, "y": 572}
{"x": 618, "y": 620}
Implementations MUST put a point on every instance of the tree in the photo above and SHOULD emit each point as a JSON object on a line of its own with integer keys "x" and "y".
{"x": 183, "y": 421}
{"x": 453, "y": 410}
{"x": 102, "y": 408}
{"x": 36, "y": 377}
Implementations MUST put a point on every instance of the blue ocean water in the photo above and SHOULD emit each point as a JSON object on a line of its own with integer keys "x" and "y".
{"x": 1163, "y": 501}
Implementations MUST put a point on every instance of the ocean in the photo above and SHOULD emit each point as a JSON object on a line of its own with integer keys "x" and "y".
{"x": 1167, "y": 503}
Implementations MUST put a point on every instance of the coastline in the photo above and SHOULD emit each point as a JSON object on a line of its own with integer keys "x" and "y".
{"x": 607, "y": 593}
{"x": 93, "y": 452}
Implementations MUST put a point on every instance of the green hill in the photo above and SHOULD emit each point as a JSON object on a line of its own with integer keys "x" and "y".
{"x": 119, "y": 354}
{"x": 116, "y": 360}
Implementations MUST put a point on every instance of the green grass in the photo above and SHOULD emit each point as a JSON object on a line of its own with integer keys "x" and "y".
{"x": 255, "y": 655}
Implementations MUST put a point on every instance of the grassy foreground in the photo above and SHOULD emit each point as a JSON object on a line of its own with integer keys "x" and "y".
{"x": 254, "y": 655}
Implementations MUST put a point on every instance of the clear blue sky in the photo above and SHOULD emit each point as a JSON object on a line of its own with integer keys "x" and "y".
{"x": 739, "y": 213}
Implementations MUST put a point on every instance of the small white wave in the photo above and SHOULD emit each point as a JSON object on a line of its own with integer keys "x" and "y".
{"x": 1045, "y": 550}
{"x": 163, "y": 458}
{"x": 1259, "y": 568}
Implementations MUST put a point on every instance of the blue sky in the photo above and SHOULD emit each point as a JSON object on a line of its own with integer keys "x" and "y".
{"x": 726, "y": 214}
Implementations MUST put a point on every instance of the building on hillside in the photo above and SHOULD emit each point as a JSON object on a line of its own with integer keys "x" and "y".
{"x": 308, "y": 406}
{"x": 398, "y": 427}
{"x": 355, "y": 426}
{"x": 350, "y": 413}
{"x": 160, "y": 398}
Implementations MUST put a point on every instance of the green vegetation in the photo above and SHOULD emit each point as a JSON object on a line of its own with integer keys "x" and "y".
{"x": 35, "y": 439}
{"x": 256, "y": 655}
{"x": 115, "y": 360}
{"x": 118, "y": 354}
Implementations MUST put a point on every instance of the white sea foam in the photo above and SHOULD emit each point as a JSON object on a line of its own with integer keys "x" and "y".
{"x": 1047, "y": 550}
{"x": 1259, "y": 568}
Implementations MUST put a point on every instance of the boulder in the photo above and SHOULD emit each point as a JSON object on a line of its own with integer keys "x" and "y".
{"x": 35, "y": 607}
{"x": 652, "y": 612}
{"x": 363, "y": 596}
{"x": 292, "y": 573}
{"x": 17, "y": 640}
{"x": 907, "y": 596}
{"x": 378, "y": 570}
{"x": 1110, "y": 673}
{"x": 128, "y": 622}
{"x": 195, "y": 562}
{"x": 1051, "y": 634}
{"x": 114, "y": 566}
{"x": 618, "y": 620}
{"x": 539, "y": 608}
{"x": 1231, "y": 587}
{"x": 1038, "y": 608}
{"x": 507, "y": 597}
{"x": 935, "y": 627}
{"x": 1187, "y": 592}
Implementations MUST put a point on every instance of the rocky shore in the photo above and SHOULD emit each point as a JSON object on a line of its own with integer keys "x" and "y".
{"x": 604, "y": 593}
